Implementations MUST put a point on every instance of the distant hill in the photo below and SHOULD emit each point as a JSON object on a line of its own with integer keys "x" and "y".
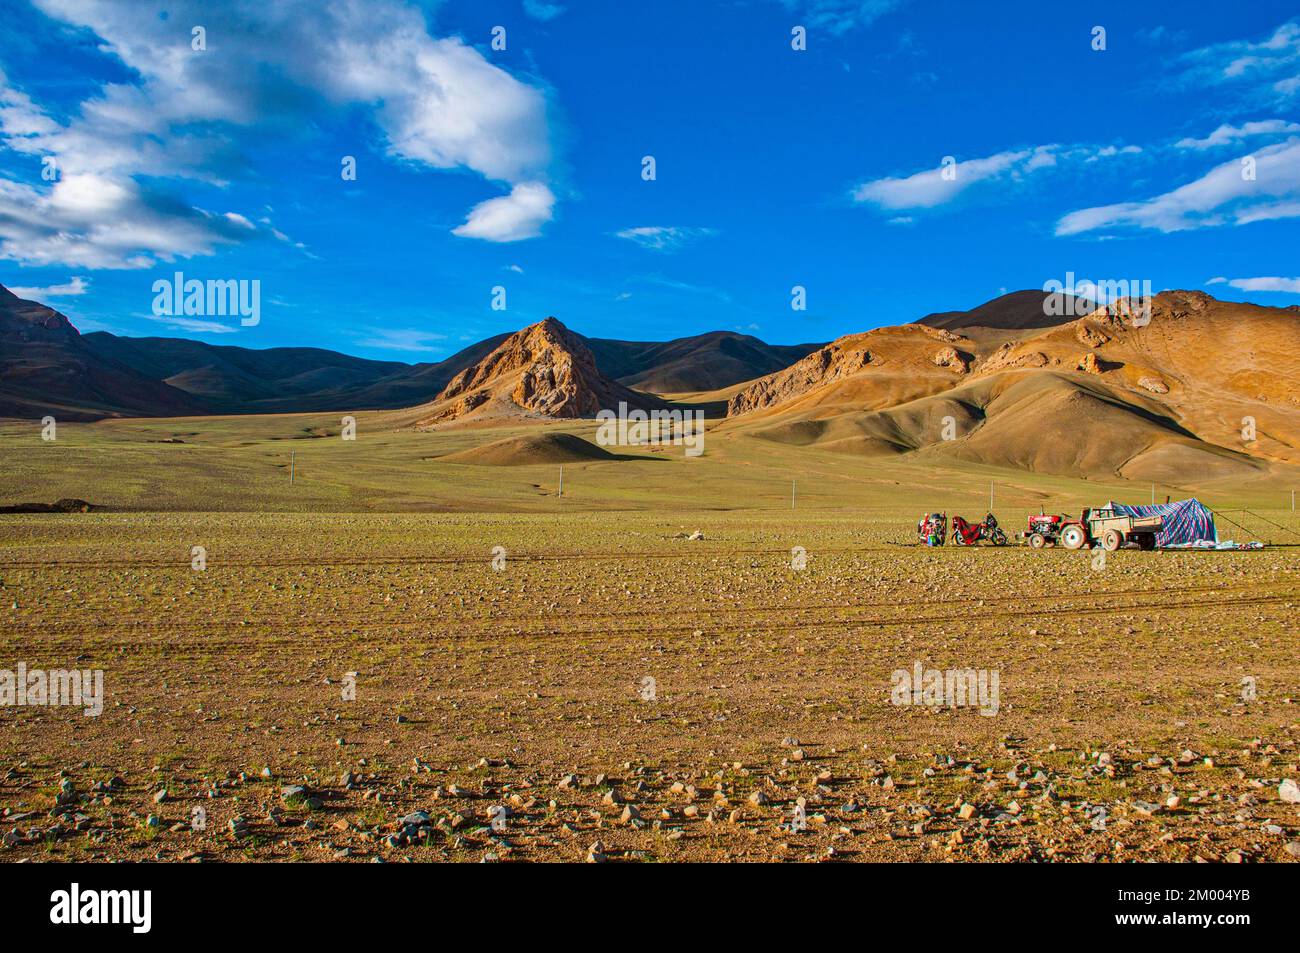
{"x": 1101, "y": 395}
{"x": 705, "y": 362}
{"x": 238, "y": 380}
{"x": 1017, "y": 311}
{"x": 49, "y": 366}
{"x": 46, "y": 367}
{"x": 544, "y": 370}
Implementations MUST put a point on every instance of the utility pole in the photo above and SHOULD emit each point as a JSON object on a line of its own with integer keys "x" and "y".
{"x": 990, "y": 496}
{"x": 561, "y": 479}
{"x": 291, "y": 456}
{"x": 792, "y": 494}
{"x": 1153, "y": 494}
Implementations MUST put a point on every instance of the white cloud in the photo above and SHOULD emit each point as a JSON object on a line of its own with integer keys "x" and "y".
{"x": 269, "y": 67}
{"x": 73, "y": 287}
{"x": 1227, "y": 134}
{"x": 193, "y": 325}
{"x": 665, "y": 237}
{"x": 1287, "y": 285}
{"x": 1270, "y": 67}
{"x": 931, "y": 187}
{"x": 840, "y": 16}
{"x": 510, "y": 218}
{"x": 1223, "y": 196}
{"x": 540, "y": 10}
{"x": 401, "y": 339}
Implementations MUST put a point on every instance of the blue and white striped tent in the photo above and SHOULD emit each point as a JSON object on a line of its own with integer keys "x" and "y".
{"x": 1186, "y": 521}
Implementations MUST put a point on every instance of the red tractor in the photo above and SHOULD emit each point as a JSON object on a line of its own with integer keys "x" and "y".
{"x": 1044, "y": 529}
{"x": 968, "y": 534}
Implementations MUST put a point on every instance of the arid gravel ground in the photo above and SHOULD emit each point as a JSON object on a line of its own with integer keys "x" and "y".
{"x": 1122, "y": 730}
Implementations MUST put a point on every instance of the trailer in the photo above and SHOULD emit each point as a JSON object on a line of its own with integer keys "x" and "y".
{"x": 1096, "y": 526}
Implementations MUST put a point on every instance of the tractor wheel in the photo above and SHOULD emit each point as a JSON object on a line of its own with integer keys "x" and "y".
{"x": 1037, "y": 541}
{"x": 1112, "y": 540}
{"x": 1073, "y": 537}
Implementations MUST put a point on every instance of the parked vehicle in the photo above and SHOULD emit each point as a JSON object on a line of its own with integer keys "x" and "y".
{"x": 1113, "y": 531}
{"x": 968, "y": 534}
{"x": 1044, "y": 529}
{"x": 1100, "y": 526}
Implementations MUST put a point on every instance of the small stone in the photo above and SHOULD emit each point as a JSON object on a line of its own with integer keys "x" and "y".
{"x": 1289, "y": 791}
{"x": 160, "y": 796}
{"x": 758, "y": 799}
{"x": 967, "y": 812}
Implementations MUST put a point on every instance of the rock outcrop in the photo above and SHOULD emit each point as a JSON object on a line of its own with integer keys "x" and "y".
{"x": 953, "y": 358}
{"x": 544, "y": 370}
{"x": 835, "y": 361}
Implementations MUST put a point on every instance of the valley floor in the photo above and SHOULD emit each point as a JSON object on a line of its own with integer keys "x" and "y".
{"x": 1123, "y": 729}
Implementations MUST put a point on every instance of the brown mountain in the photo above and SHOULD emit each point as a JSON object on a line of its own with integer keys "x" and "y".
{"x": 545, "y": 370}
{"x": 48, "y": 364}
{"x": 46, "y": 367}
{"x": 239, "y": 380}
{"x": 1100, "y": 395}
{"x": 704, "y": 362}
{"x": 1017, "y": 311}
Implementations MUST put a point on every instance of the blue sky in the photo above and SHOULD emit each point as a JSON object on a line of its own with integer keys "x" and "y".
{"x": 522, "y": 168}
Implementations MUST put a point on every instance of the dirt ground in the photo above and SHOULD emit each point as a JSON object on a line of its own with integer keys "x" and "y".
{"x": 1146, "y": 709}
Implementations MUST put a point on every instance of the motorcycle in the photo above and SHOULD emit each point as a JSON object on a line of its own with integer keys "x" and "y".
{"x": 968, "y": 534}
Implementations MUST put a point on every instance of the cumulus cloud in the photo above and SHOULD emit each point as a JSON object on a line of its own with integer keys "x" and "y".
{"x": 1227, "y": 134}
{"x": 665, "y": 237}
{"x": 510, "y": 218}
{"x": 72, "y": 288}
{"x": 1223, "y": 196}
{"x": 269, "y": 67}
